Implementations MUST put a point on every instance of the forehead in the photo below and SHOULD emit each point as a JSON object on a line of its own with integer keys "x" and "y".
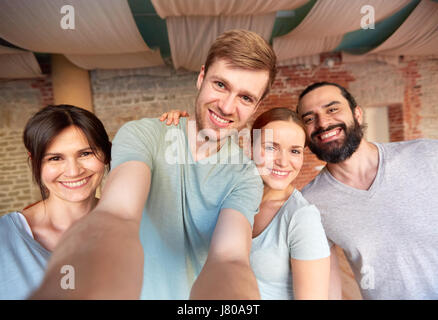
{"x": 71, "y": 138}
{"x": 283, "y": 133}
{"x": 320, "y": 97}
{"x": 254, "y": 81}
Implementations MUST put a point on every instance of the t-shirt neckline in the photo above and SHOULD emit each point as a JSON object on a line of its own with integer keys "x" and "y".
{"x": 206, "y": 160}
{"x": 277, "y": 214}
{"x": 374, "y": 185}
{"x": 20, "y": 222}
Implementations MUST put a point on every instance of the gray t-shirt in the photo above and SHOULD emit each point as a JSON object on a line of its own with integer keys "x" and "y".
{"x": 184, "y": 202}
{"x": 295, "y": 232}
{"x": 22, "y": 259}
{"x": 389, "y": 233}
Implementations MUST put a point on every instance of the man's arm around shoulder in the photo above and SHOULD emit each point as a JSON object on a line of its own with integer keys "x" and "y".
{"x": 227, "y": 272}
{"x": 104, "y": 248}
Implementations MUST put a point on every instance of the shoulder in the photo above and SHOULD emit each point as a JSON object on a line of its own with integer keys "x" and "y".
{"x": 242, "y": 167}
{"x": 315, "y": 186}
{"x": 247, "y": 177}
{"x": 424, "y": 146}
{"x": 409, "y": 153}
{"x": 141, "y": 127}
{"x": 8, "y": 219}
{"x": 305, "y": 235}
{"x": 10, "y": 227}
{"x": 297, "y": 207}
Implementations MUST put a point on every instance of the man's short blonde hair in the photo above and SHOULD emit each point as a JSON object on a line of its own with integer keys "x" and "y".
{"x": 244, "y": 49}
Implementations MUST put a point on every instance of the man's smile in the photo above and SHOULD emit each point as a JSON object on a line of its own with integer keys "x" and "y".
{"x": 218, "y": 120}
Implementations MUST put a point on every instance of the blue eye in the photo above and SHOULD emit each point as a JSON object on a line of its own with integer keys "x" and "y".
{"x": 247, "y": 99}
{"x": 220, "y": 84}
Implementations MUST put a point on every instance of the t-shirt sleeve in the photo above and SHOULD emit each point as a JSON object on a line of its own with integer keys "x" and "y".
{"x": 136, "y": 141}
{"x": 246, "y": 196}
{"x": 306, "y": 235}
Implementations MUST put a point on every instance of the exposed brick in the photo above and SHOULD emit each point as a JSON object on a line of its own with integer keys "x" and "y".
{"x": 410, "y": 90}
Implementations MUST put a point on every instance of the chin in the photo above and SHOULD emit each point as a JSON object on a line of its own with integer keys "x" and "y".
{"x": 78, "y": 197}
{"x": 275, "y": 185}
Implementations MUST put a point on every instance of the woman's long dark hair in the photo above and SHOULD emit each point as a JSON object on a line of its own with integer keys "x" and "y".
{"x": 47, "y": 123}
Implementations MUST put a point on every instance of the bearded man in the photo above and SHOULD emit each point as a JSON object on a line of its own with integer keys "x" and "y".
{"x": 378, "y": 201}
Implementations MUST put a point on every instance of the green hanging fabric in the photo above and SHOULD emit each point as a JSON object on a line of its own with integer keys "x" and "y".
{"x": 288, "y": 20}
{"x": 152, "y": 28}
{"x": 363, "y": 40}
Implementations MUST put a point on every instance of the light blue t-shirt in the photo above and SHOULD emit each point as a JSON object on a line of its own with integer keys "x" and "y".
{"x": 22, "y": 259}
{"x": 184, "y": 201}
{"x": 295, "y": 232}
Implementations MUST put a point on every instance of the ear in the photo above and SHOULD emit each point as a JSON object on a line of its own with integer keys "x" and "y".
{"x": 358, "y": 114}
{"x": 200, "y": 77}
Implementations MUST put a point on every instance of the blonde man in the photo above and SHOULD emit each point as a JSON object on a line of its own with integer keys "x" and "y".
{"x": 164, "y": 221}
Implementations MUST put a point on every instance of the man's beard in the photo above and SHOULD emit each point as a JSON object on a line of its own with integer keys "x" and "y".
{"x": 331, "y": 152}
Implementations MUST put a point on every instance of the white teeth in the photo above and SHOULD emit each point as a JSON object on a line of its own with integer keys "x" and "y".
{"x": 280, "y": 173}
{"x": 75, "y": 184}
{"x": 219, "y": 119}
{"x": 328, "y": 135}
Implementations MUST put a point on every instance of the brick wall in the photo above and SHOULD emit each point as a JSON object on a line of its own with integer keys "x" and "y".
{"x": 123, "y": 95}
{"x": 409, "y": 90}
{"x": 19, "y": 99}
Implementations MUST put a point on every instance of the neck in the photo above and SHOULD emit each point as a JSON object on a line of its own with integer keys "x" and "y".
{"x": 201, "y": 149}
{"x": 60, "y": 215}
{"x": 270, "y": 194}
{"x": 360, "y": 169}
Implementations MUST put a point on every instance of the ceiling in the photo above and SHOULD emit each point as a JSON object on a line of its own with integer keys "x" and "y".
{"x": 117, "y": 34}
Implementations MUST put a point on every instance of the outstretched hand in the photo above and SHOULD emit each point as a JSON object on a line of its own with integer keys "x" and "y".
{"x": 173, "y": 116}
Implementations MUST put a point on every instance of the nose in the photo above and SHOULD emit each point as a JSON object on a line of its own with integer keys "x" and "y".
{"x": 323, "y": 121}
{"x": 73, "y": 168}
{"x": 228, "y": 105}
{"x": 281, "y": 159}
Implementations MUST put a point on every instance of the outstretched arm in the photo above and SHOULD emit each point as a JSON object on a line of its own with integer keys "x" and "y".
{"x": 227, "y": 273}
{"x": 311, "y": 279}
{"x": 104, "y": 248}
{"x": 335, "y": 287}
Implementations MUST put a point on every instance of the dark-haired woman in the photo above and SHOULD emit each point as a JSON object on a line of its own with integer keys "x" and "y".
{"x": 68, "y": 149}
{"x": 290, "y": 255}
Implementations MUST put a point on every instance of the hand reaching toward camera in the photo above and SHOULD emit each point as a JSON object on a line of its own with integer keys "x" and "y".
{"x": 173, "y": 116}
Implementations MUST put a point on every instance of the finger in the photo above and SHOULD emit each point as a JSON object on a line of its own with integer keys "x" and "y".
{"x": 170, "y": 118}
{"x": 163, "y": 116}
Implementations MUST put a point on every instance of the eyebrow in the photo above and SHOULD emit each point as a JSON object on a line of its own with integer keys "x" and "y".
{"x": 243, "y": 92}
{"x": 324, "y": 106}
{"x": 276, "y": 144}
